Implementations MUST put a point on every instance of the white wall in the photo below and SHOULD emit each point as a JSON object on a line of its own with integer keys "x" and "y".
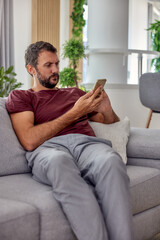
{"x": 22, "y": 38}
{"x": 138, "y": 18}
{"x": 107, "y": 29}
{"x": 108, "y": 24}
{"x": 64, "y": 30}
{"x": 126, "y": 102}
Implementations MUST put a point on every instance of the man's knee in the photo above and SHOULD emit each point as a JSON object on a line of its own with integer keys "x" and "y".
{"x": 110, "y": 160}
{"x": 59, "y": 160}
{"x": 112, "y": 164}
{"x": 117, "y": 168}
{"x": 115, "y": 161}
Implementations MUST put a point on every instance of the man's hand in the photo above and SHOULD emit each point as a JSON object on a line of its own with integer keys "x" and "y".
{"x": 105, "y": 105}
{"x": 88, "y": 103}
{"x": 105, "y": 111}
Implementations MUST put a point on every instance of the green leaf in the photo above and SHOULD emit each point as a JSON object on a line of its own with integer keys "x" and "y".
{"x": 1, "y": 71}
{"x": 13, "y": 74}
{"x": 155, "y": 37}
{"x": 9, "y": 70}
{"x": 7, "y": 81}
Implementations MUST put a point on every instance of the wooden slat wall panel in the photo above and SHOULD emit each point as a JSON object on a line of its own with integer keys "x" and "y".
{"x": 46, "y": 21}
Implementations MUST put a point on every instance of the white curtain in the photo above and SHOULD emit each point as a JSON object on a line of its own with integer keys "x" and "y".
{"x": 6, "y": 33}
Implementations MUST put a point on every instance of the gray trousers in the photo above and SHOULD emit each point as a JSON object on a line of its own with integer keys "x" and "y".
{"x": 89, "y": 180}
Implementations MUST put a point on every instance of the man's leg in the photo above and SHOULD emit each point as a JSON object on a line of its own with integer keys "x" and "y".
{"x": 104, "y": 168}
{"x": 56, "y": 167}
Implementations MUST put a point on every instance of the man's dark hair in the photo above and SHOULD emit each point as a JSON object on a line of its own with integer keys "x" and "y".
{"x": 33, "y": 50}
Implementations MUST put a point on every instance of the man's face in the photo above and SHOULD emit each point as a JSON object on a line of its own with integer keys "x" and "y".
{"x": 47, "y": 70}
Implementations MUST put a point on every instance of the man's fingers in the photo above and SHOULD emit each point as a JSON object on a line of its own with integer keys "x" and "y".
{"x": 99, "y": 98}
{"x": 97, "y": 92}
{"x": 87, "y": 95}
{"x": 93, "y": 94}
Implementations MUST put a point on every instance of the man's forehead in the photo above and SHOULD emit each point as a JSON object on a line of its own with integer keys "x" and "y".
{"x": 47, "y": 56}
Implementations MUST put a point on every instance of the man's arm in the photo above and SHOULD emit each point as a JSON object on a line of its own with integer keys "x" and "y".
{"x": 105, "y": 112}
{"x": 32, "y": 136}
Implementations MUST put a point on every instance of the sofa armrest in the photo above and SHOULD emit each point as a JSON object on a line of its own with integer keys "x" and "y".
{"x": 144, "y": 143}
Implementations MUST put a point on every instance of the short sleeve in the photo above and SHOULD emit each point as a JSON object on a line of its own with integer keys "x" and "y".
{"x": 80, "y": 92}
{"x": 19, "y": 101}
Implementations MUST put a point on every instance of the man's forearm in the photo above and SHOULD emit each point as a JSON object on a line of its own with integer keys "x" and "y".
{"x": 50, "y": 129}
{"x": 110, "y": 117}
{"x": 33, "y": 136}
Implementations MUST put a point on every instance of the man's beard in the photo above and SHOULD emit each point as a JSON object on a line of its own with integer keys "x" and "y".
{"x": 46, "y": 81}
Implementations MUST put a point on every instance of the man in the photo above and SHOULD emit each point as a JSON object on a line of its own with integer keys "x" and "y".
{"x": 88, "y": 178}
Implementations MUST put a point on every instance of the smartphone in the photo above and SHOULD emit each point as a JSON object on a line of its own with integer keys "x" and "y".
{"x": 100, "y": 82}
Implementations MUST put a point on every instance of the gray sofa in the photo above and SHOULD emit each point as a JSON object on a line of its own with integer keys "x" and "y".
{"x": 29, "y": 211}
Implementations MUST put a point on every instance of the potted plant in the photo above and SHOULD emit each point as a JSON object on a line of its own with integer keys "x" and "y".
{"x": 8, "y": 81}
{"x": 68, "y": 77}
{"x": 155, "y": 37}
{"x": 73, "y": 48}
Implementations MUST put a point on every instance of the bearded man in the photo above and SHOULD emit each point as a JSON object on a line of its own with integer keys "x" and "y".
{"x": 88, "y": 177}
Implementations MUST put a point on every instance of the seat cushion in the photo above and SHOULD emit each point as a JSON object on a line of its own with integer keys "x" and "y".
{"x": 145, "y": 188}
{"x": 147, "y": 224}
{"x": 23, "y": 188}
{"x": 145, "y": 194}
{"x": 18, "y": 221}
{"x": 12, "y": 157}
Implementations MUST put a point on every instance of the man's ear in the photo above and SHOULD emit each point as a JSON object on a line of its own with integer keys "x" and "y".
{"x": 31, "y": 69}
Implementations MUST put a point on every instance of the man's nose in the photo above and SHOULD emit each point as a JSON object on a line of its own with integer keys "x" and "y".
{"x": 55, "y": 68}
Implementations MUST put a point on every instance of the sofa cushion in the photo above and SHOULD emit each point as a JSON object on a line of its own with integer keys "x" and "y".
{"x": 23, "y": 188}
{"x": 12, "y": 154}
{"x": 117, "y": 133}
{"x": 144, "y": 143}
{"x": 145, "y": 187}
{"x": 147, "y": 224}
{"x": 18, "y": 221}
{"x": 145, "y": 194}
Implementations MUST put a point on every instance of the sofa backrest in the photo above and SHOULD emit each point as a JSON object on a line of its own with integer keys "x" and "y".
{"x": 12, "y": 154}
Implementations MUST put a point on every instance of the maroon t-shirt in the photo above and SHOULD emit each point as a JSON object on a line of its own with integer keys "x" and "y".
{"x": 48, "y": 105}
